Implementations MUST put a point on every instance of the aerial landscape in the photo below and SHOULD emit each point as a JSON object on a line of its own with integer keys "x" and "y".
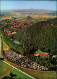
{"x": 28, "y": 40}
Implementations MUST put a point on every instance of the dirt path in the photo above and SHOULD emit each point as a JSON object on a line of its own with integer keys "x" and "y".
{"x": 19, "y": 70}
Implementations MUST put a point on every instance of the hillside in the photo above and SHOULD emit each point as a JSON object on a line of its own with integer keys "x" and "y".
{"x": 41, "y": 35}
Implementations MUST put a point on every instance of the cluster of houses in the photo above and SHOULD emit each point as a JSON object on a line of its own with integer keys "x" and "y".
{"x": 2, "y": 24}
{"x": 22, "y": 60}
{"x": 8, "y": 33}
{"x": 15, "y": 24}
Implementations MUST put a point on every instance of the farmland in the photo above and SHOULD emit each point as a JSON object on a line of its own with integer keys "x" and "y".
{"x": 4, "y": 69}
{"x": 38, "y": 74}
{"x": 41, "y": 74}
{"x": 19, "y": 74}
{"x": 34, "y": 13}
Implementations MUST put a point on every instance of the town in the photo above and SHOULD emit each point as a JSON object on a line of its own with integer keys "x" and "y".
{"x": 28, "y": 40}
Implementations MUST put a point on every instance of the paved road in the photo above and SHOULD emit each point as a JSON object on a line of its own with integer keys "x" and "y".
{"x": 19, "y": 70}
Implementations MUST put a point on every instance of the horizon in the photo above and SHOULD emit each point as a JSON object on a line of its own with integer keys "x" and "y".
{"x": 19, "y": 5}
{"x": 27, "y": 9}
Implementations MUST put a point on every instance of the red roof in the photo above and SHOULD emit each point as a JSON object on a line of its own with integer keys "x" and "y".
{"x": 36, "y": 54}
{"x": 44, "y": 54}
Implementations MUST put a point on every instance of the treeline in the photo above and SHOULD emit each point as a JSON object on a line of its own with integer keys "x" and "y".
{"x": 41, "y": 35}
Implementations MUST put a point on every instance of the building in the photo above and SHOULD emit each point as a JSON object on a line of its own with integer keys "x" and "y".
{"x": 41, "y": 54}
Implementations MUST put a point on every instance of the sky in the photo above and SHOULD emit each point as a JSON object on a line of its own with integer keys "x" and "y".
{"x": 15, "y": 5}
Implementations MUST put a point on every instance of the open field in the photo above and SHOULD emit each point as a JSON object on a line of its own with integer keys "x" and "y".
{"x": 38, "y": 74}
{"x": 19, "y": 75}
{"x": 41, "y": 74}
{"x": 4, "y": 69}
{"x": 31, "y": 12}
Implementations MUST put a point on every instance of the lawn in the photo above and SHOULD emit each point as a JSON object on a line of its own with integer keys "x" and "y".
{"x": 40, "y": 74}
{"x": 39, "y": 51}
{"x": 4, "y": 69}
{"x": 19, "y": 75}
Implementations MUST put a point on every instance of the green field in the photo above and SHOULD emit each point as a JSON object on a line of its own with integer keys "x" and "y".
{"x": 19, "y": 75}
{"x": 39, "y": 51}
{"x": 40, "y": 74}
{"x": 4, "y": 69}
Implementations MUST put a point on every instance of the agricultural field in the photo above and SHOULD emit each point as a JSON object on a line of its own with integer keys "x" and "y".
{"x": 34, "y": 13}
{"x": 4, "y": 69}
{"x": 19, "y": 75}
{"x": 38, "y": 74}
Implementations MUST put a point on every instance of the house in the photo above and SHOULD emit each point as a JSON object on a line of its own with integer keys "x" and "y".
{"x": 42, "y": 67}
{"x": 41, "y": 54}
{"x": 13, "y": 33}
{"x": 36, "y": 54}
{"x": 44, "y": 54}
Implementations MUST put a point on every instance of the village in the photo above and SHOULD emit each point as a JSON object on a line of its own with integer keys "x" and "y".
{"x": 28, "y": 39}
{"x": 15, "y": 26}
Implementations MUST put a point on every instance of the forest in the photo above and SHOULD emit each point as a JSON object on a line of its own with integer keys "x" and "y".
{"x": 42, "y": 35}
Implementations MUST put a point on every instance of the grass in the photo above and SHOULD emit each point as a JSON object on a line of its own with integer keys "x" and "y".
{"x": 5, "y": 46}
{"x": 39, "y": 51}
{"x": 19, "y": 75}
{"x": 0, "y": 49}
{"x": 39, "y": 74}
{"x": 4, "y": 69}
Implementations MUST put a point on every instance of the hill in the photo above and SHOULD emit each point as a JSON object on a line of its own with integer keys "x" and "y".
{"x": 41, "y": 35}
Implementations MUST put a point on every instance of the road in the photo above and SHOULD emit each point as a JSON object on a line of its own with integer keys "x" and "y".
{"x": 19, "y": 70}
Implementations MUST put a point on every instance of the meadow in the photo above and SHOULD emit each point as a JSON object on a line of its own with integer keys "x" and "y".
{"x": 40, "y": 74}
{"x": 19, "y": 75}
{"x": 4, "y": 69}
{"x": 35, "y": 73}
